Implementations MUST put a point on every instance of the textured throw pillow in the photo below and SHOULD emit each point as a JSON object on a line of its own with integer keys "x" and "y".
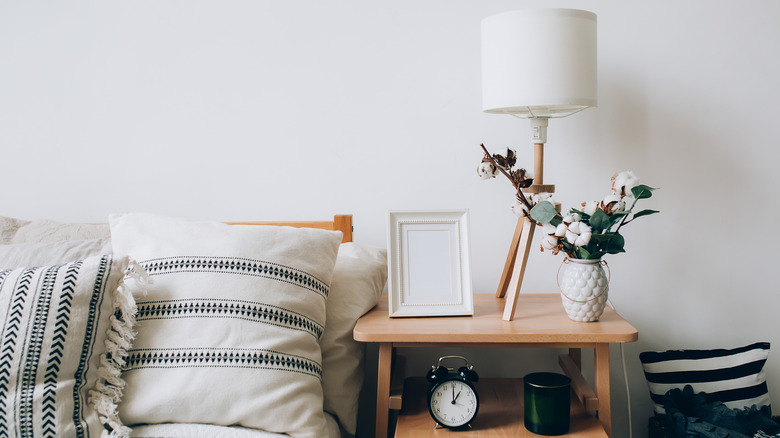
{"x": 358, "y": 281}
{"x": 46, "y": 231}
{"x": 735, "y": 377}
{"x": 45, "y": 254}
{"x": 64, "y": 330}
{"x": 229, "y": 331}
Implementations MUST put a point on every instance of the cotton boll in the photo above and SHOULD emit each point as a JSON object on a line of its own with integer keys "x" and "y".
{"x": 582, "y": 239}
{"x": 560, "y": 230}
{"x": 623, "y": 182}
{"x": 486, "y": 170}
{"x": 519, "y": 209}
{"x": 571, "y": 218}
{"x": 590, "y": 207}
{"x": 579, "y": 233}
{"x": 571, "y": 236}
{"x": 613, "y": 203}
{"x": 549, "y": 242}
{"x": 543, "y": 196}
{"x": 610, "y": 199}
{"x": 549, "y": 229}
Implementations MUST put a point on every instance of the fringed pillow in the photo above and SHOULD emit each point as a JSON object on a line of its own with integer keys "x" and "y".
{"x": 65, "y": 330}
{"x": 229, "y": 331}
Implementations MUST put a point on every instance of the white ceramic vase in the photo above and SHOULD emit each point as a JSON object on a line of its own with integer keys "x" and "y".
{"x": 584, "y": 288}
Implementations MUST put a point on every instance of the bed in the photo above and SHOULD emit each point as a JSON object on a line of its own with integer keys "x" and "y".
{"x": 182, "y": 328}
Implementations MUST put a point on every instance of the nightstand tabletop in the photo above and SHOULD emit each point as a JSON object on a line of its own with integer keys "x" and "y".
{"x": 540, "y": 319}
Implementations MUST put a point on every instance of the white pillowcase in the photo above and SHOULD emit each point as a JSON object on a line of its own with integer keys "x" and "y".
{"x": 14, "y": 230}
{"x": 57, "y": 325}
{"x": 45, "y": 254}
{"x": 229, "y": 331}
{"x": 358, "y": 281}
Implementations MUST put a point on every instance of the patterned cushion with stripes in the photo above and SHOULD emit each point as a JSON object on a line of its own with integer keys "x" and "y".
{"x": 229, "y": 333}
{"x": 735, "y": 377}
{"x": 55, "y": 321}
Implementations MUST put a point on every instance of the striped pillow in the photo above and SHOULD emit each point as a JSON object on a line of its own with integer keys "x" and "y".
{"x": 735, "y": 377}
{"x": 63, "y": 329}
{"x": 229, "y": 332}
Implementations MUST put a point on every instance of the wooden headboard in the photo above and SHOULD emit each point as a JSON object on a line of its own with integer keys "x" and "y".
{"x": 340, "y": 222}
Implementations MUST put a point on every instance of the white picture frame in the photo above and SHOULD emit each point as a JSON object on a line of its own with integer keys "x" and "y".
{"x": 429, "y": 263}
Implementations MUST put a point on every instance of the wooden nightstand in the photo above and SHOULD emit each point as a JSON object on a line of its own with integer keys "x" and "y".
{"x": 540, "y": 322}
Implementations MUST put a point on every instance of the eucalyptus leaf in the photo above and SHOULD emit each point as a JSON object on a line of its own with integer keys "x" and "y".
{"x": 616, "y": 217}
{"x": 615, "y": 243}
{"x": 644, "y": 213}
{"x": 601, "y": 239}
{"x": 599, "y": 220}
{"x": 543, "y": 212}
{"x": 597, "y": 255}
{"x": 642, "y": 191}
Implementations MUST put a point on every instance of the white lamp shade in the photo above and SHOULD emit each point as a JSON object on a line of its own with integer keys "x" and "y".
{"x": 539, "y": 62}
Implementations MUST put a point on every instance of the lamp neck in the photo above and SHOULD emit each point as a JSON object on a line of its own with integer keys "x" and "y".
{"x": 539, "y": 129}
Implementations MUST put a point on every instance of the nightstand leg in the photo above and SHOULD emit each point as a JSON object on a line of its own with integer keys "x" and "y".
{"x": 383, "y": 388}
{"x": 602, "y": 386}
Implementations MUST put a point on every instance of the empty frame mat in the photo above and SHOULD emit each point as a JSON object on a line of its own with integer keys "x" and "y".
{"x": 429, "y": 264}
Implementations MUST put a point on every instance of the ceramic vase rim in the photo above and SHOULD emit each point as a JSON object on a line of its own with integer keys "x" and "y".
{"x": 583, "y": 261}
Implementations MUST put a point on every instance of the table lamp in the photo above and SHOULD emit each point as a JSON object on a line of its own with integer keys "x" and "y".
{"x": 536, "y": 64}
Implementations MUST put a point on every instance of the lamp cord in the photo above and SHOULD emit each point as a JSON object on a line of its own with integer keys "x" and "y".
{"x": 625, "y": 379}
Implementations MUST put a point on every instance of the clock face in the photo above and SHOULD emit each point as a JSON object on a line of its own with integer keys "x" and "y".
{"x": 453, "y": 403}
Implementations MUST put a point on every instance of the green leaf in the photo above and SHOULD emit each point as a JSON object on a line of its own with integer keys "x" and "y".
{"x": 597, "y": 255}
{"x": 583, "y": 253}
{"x": 615, "y": 243}
{"x": 615, "y": 217}
{"x": 543, "y": 212}
{"x": 599, "y": 220}
{"x": 600, "y": 239}
{"x": 642, "y": 191}
{"x": 644, "y": 213}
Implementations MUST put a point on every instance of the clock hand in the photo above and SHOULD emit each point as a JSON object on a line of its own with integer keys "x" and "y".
{"x": 456, "y": 397}
{"x": 453, "y": 394}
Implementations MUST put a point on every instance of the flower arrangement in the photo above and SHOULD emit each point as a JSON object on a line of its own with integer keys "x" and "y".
{"x": 589, "y": 232}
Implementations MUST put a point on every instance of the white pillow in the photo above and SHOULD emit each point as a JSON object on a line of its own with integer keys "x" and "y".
{"x": 45, "y": 254}
{"x": 14, "y": 230}
{"x": 229, "y": 331}
{"x": 58, "y": 323}
{"x": 358, "y": 281}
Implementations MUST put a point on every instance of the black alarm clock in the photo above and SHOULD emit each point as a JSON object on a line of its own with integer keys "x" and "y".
{"x": 452, "y": 400}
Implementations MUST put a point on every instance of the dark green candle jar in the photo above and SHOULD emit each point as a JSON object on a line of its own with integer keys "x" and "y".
{"x": 547, "y": 403}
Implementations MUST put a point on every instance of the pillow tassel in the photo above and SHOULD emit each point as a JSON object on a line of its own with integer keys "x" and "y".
{"x": 110, "y": 386}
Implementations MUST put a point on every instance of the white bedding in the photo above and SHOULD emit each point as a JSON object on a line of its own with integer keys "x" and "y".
{"x": 212, "y": 431}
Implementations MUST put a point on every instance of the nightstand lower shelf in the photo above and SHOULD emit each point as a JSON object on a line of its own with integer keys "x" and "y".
{"x": 500, "y": 413}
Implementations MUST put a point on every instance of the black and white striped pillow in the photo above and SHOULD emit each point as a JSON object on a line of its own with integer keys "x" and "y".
{"x": 61, "y": 328}
{"x": 735, "y": 377}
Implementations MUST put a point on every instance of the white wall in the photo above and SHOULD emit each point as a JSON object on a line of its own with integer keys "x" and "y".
{"x": 285, "y": 110}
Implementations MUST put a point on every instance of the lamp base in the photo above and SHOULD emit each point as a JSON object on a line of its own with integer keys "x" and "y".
{"x": 540, "y": 188}
{"x": 514, "y": 268}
